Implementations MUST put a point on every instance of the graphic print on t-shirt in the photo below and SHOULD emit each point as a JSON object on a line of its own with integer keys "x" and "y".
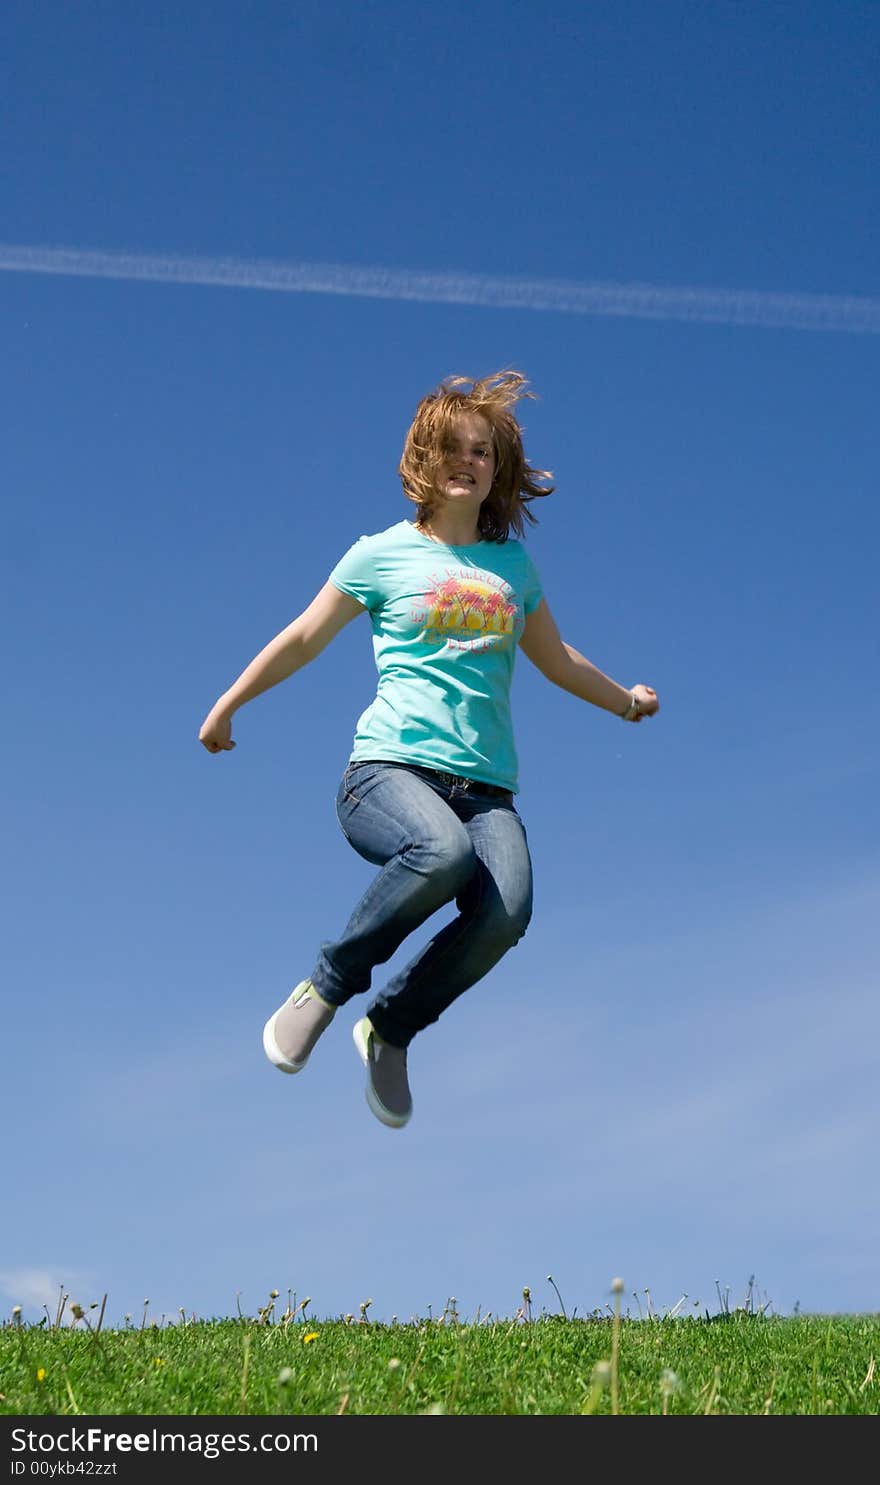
{"x": 468, "y": 611}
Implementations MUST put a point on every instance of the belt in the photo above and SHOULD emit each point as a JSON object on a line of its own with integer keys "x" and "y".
{"x": 461, "y": 782}
{"x": 449, "y": 779}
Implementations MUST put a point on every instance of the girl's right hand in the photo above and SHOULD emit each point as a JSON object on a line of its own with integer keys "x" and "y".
{"x": 216, "y": 733}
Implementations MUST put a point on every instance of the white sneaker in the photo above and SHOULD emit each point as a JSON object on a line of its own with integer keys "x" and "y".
{"x": 290, "y": 1034}
{"x": 387, "y": 1089}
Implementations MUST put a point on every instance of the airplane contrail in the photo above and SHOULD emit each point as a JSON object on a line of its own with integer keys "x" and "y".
{"x": 640, "y": 301}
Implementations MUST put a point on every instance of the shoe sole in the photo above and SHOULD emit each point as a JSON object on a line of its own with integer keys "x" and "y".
{"x": 361, "y": 1040}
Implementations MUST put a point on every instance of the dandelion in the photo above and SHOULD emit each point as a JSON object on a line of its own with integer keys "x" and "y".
{"x": 284, "y": 1376}
{"x": 41, "y": 1374}
{"x": 311, "y": 1335}
{"x": 616, "y": 1290}
{"x": 551, "y": 1280}
{"x": 669, "y": 1384}
{"x": 600, "y": 1378}
{"x": 394, "y": 1363}
{"x": 158, "y": 1361}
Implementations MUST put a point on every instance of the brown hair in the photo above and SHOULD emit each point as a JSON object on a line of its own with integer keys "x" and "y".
{"x": 515, "y": 483}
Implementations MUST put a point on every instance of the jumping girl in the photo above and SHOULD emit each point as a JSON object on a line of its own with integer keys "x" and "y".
{"x": 428, "y": 793}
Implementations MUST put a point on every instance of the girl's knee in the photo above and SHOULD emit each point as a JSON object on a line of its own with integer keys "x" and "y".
{"x": 506, "y": 925}
{"x": 523, "y": 919}
{"x": 518, "y": 908}
{"x": 518, "y": 922}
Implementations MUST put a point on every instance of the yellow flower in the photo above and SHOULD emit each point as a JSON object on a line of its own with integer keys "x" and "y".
{"x": 311, "y": 1335}
{"x": 158, "y": 1361}
{"x": 41, "y": 1374}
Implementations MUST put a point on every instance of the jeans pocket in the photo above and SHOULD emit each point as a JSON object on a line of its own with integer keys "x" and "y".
{"x": 357, "y": 781}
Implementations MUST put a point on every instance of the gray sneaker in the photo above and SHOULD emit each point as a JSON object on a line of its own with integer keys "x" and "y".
{"x": 387, "y": 1086}
{"x": 290, "y": 1035}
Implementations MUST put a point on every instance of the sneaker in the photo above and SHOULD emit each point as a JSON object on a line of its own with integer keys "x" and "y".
{"x": 290, "y": 1035}
{"x": 387, "y": 1087}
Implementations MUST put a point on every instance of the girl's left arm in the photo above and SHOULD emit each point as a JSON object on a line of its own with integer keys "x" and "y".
{"x": 542, "y": 643}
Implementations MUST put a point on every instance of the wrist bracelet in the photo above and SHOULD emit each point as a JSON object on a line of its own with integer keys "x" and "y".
{"x": 632, "y": 711}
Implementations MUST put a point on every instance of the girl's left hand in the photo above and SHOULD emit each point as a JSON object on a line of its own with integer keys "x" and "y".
{"x": 646, "y": 696}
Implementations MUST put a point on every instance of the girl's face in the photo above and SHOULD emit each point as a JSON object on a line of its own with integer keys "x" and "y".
{"x": 467, "y": 470}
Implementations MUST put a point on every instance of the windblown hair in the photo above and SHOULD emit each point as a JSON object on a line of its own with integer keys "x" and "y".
{"x": 516, "y": 483}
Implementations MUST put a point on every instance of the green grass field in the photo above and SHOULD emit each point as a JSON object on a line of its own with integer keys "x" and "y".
{"x": 734, "y": 1363}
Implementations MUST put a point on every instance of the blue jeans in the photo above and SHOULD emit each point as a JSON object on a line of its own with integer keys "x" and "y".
{"x": 436, "y": 841}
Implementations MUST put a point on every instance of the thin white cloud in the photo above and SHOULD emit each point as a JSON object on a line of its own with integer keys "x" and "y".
{"x": 32, "y": 1287}
{"x": 828, "y": 312}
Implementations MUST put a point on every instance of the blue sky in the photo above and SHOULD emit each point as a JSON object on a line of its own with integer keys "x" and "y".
{"x": 672, "y": 1077}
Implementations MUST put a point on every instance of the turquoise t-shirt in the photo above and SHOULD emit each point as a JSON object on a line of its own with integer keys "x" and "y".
{"x": 446, "y": 623}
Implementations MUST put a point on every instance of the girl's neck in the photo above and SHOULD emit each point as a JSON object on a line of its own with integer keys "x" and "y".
{"x": 450, "y": 533}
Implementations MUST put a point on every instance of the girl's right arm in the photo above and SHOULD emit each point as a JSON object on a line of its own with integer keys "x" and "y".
{"x": 290, "y": 650}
